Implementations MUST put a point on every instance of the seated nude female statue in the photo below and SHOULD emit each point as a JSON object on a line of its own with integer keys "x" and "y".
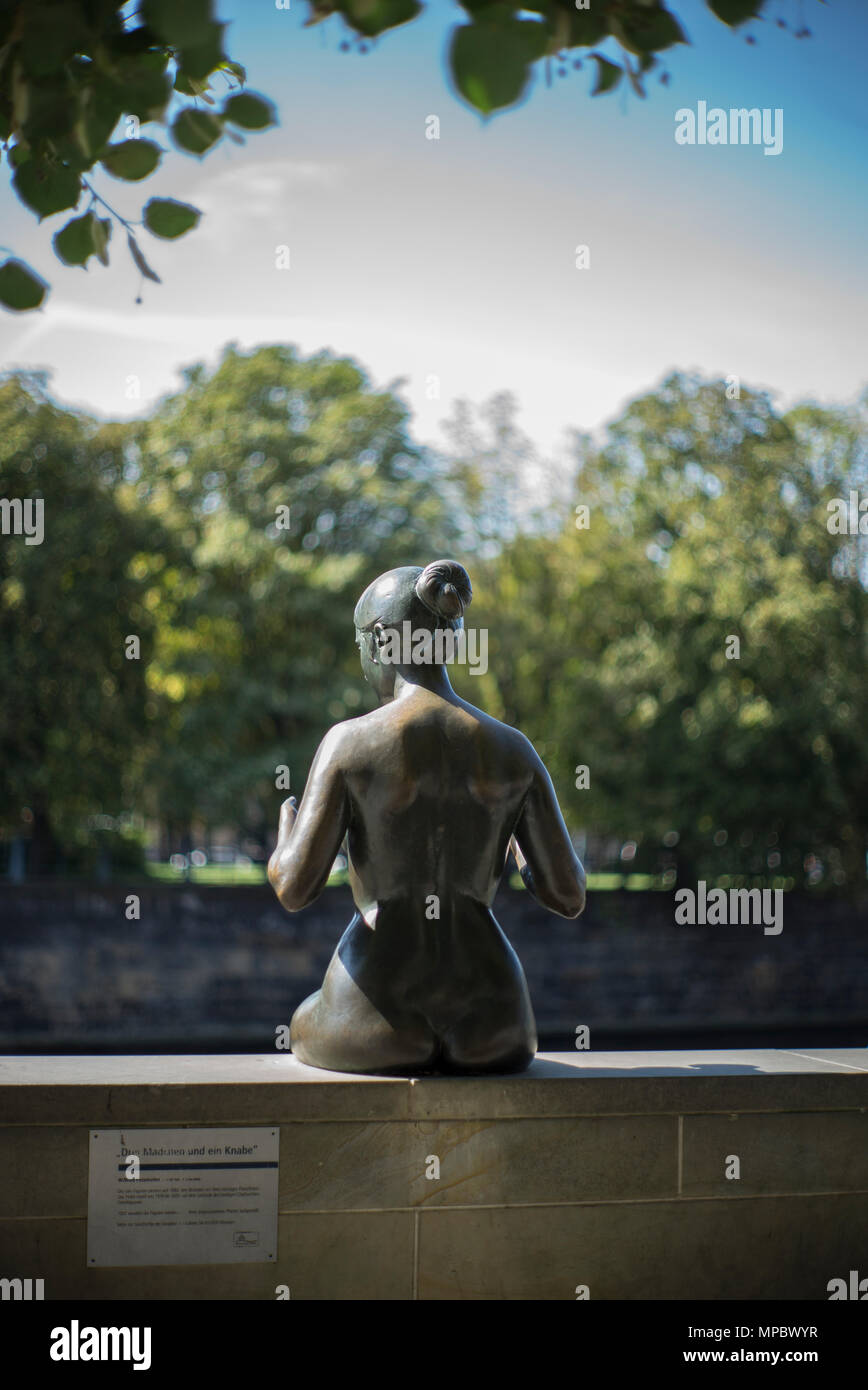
{"x": 431, "y": 794}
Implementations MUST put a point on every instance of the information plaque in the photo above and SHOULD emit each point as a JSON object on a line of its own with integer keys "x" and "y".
{"x": 182, "y": 1196}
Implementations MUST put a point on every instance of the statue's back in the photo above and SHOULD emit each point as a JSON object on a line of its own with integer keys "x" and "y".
{"x": 435, "y": 790}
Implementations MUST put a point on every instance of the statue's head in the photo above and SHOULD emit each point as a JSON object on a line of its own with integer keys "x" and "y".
{"x": 430, "y": 598}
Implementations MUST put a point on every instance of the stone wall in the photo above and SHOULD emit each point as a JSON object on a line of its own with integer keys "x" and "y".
{"x": 206, "y": 966}
{"x": 607, "y": 1176}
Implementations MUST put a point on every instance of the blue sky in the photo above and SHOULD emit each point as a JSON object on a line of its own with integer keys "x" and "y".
{"x": 455, "y": 258}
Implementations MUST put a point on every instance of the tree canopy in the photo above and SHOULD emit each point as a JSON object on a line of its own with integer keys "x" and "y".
{"x": 707, "y": 521}
{"x": 231, "y": 532}
{"x": 685, "y": 625}
{"x": 75, "y": 718}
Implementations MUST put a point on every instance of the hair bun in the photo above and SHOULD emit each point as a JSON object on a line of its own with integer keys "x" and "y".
{"x": 444, "y": 588}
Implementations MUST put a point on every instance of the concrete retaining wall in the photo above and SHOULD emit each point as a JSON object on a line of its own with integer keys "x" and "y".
{"x": 599, "y": 1170}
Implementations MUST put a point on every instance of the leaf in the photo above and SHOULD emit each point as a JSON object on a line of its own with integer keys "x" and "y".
{"x": 196, "y": 131}
{"x": 490, "y": 60}
{"x": 734, "y": 12}
{"x": 68, "y": 151}
{"x": 179, "y": 22}
{"x": 99, "y": 113}
{"x": 142, "y": 87}
{"x": 102, "y": 237}
{"x": 199, "y": 60}
{"x": 51, "y": 34}
{"x": 20, "y": 287}
{"x": 134, "y": 41}
{"x": 608, "y": 75}
{"x": 46, "y": 189}
{"x": 20, "y": 94}
{"x": 167, "y": 218}
{"x": 250, "y": 111}
{"x": 132, "y": 159}
{"x": 51, "y": 110}
{"x": 141, "y": 263}
{"x": 586, "y": 27}
{"x": 372, "y": 17}
{"x": 648, "y": 31}
{"x": 237, "y": 69}
{"x": 187, "y": 86}
{"x": 82, "y": 238}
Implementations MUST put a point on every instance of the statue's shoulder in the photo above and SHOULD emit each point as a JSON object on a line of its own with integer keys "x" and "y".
{"x": 507, "y": 735}
{"x": 344, "y": 739}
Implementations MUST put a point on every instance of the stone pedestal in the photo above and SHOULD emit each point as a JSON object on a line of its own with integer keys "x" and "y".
{"x": 604, "y": 1170}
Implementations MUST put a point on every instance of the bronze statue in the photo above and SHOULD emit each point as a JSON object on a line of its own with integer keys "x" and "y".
{"x": 431, "y": 794}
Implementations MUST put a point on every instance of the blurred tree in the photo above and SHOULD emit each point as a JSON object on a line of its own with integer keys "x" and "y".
{"x": 292, "y": 483}
{"x": 74, "y": 717}
{"x": 497, "y": 485}
{"x": 694, "y": 631}
{"x": 707, "y": 522}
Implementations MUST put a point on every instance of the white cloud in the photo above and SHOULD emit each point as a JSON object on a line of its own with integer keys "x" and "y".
{"x": 241, "y": 194}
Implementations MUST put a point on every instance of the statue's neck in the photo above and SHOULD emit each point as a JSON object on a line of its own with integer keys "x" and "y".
{"x": 432, "y": 678}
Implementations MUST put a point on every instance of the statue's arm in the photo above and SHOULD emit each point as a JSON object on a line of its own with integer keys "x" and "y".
{"x": 310, "y": 835}
{"x": 547, "y": 862}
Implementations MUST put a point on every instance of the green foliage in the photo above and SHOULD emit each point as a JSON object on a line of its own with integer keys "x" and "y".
{"x": 234, "y": 528}
{"x": 82, "y": 238}
{"x": 255, "y": 642}
{"x": 70, "y": 71}
{"x": 168, "y": 218}
{"x": 489, "y": 59}
{"x": 707, "y": 521}
{"x": 646, "y": 29}
{"x": 141, "y": 263}
{"x": 493, "y": 56}
{"x": 249, "y": 111}
{"x": 369, "y": 18}
{"x": 608, "y": 75}
{"x": 735, "y": 11}
{"x": 74, "y": 718}
{"x": 46, "y": 188}
{"x": 20, "y": 287}
{"x": 196, "y": 131}
{"x": 132, "y": 159}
